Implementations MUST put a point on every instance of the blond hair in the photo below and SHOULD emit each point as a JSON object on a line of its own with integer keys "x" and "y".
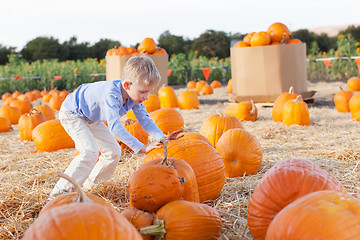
{"x": 141, "y": 68}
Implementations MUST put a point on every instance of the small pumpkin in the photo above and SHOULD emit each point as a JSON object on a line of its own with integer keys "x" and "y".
{"x": 5, "y": 95}
{"x": 260, "y": 39}
{"x": 215, "y": 84}
{"x": 281, "y": 185}
{"x": 294, "y": 41}
{"x": 341, "y": 100}
{"x": 247, "y": 38}
{"x": 56, "y": 101}
{"x": 5, "y": 124}
{"x": 167, "y": 97}
{"x": 188, "y": 100}
{"x": 46, "y": 110}
{"x": 200, "y": 84}
{"x": 139, "y": 219}
{"x": 207, "y": 90}
{"x": 11, "y": 113}
{"x": 241, "y": 152}
{"x": 353, "y": 84}
{"x": 191, "y": 85}
{"x": 23, "y": 105}
{"x": 123, "y": 51}
{"x": 240, "y": 44}
{"x": 229, "y": 86}
{"x": 28, "y": 121}
{"x": 354, "y": 106}
{"x": 244, "y": 111}
{"x": 180, "y": 219}
{"x": 296, "y": 112}
{"x": 319, "y": 215}
{"x": 278, "y": 107}
{"x": 215, "y": 125}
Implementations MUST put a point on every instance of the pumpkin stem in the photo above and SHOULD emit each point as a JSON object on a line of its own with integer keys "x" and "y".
{"x": 253, "y": 108}
{"x": 158, "y": 229}
{"x": 341, "y": 89}
{"x": 283, "y": 38}
{"x": 298, "y": 99}
{"x": 291, "y": 90}
{"x": 33, "y": 111}
{"x": 82, "y": 198}
{"x": 129, "y": 121}
{"x": 165, "y": 160}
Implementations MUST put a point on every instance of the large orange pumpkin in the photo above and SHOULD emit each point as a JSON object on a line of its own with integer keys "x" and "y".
{"x": 215, "y": 125}
{"x": 204, "y": 160}
{"x": 192, "y": 135}
{"x": 168, "y": 120}
{"x": 51, "y": 136}
{"x": 28, "y": 121}
{"x": 240, "y": 151}
{"x": 278, "y": 32}
{"x": 320, "y": 215}
{"x": 282, "y": 184}
{"x": 180, "y": 220}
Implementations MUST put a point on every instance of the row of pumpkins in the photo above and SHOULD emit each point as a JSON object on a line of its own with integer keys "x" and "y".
{"x": 276, "y": 34}
{"x": 147, "y": 46}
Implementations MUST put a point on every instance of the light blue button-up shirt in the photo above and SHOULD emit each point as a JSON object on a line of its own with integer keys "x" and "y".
{"x": 102, "y": 101}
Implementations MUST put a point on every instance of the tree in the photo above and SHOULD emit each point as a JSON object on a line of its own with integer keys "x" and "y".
{"x": 100, "y": 48}
{"x": 75, "y": 51}
{"x": 212, "y": 44}
{"x": 172, "y": 43}
{"x": 4, "y": 52}
{"x": 43, "y": 48}
{"x": 325, "y": 42}
{"x": 354, "y": 31}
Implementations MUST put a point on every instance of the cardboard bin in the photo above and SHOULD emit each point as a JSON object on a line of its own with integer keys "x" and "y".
{"x": 263, "y": 73}
{"x": 115, "y": 65}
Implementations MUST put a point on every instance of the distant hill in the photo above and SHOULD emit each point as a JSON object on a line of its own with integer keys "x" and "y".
{"x": 331, "y": 31}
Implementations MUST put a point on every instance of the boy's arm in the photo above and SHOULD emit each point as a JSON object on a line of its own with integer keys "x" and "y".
{"x": 147, "y": 123}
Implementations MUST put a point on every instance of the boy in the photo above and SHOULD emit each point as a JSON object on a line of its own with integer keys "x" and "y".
{"x": 84, "y": 110}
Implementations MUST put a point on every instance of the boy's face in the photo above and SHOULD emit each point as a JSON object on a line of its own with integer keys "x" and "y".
{"x": 138, "y": 92}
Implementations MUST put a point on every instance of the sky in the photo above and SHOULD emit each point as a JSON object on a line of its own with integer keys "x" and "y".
{"x": 131, "y": 21}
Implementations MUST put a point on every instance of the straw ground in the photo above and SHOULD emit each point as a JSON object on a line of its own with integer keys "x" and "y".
{"x": 332, "y": 141}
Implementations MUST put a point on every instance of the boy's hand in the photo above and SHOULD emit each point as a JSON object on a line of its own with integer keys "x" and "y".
{"x": 147, "y": 148}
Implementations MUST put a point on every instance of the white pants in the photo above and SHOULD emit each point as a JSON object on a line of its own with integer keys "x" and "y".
{"x": 89, "y": 138}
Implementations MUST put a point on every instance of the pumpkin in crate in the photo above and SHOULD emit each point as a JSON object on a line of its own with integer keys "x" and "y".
{"x": 135, "y": 129}
{"x": 341, "y": 100}
{"x": 215, "y": 125}
{"x": 139, "y": 219}
{"x": 28, "y": 121}
{"x": 46, "y": 110}
{"x": 168, "y": 119}
{"x": 244, "y": 111}
{"x": 260, "y": 39}
{"x": 5, "y": 124}
{"x": 203, "y": 159}
{"x": 11, "y": 113}
{"x": 320, "y": 215}
{"x": 167, "y": 97}
{"x": 296, "y": 112}
{"x": 149, "y": 191}
{"x": 188, "y": 100}
{"x": 180, "y": 220}
{"x": 240, "y": 151}
{"x": 281, "y": 185}
{"x": 278, "y": 107}
{"x": 247, "y": 38}
{"x": 147, "y": 45}
{"x": 278, "y": 32}
{"x": 51, "y": 136}
{"x": 81, "y": 220}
